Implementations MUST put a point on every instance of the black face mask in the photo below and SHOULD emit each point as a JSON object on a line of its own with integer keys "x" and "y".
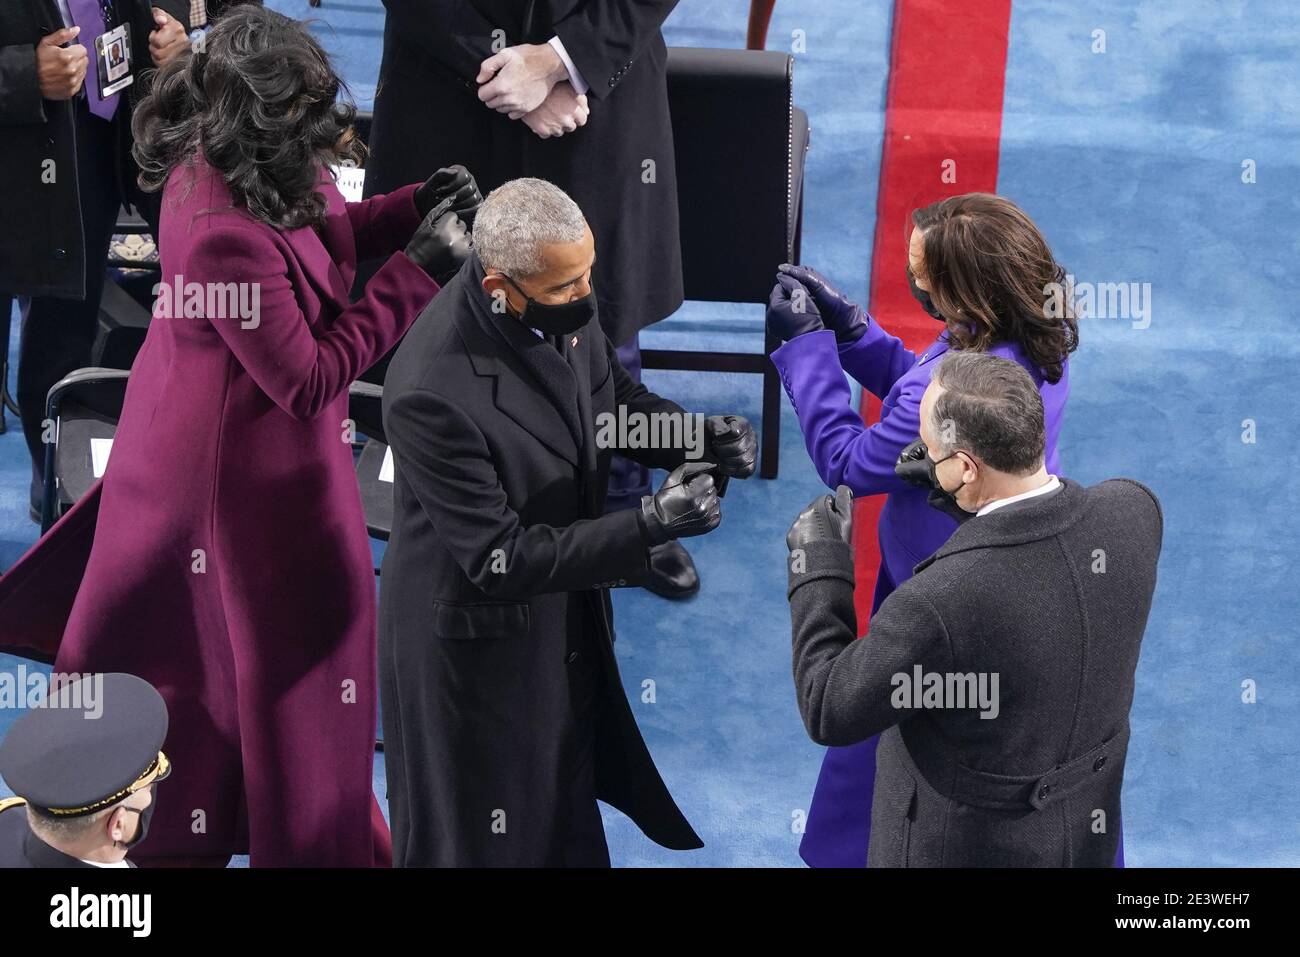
{"x": 922, "y": 296}
{"x": 556, "y": 320}
{"x": 915, "y": 467}
{"x": 142, "y": 830}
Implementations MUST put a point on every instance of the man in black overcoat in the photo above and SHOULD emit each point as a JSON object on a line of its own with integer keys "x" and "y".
{"x": 1000, "y": 676}
{"x": 571, "y": 91}
{"x": 504, "y": 714}
{"x": 65, "y": 169}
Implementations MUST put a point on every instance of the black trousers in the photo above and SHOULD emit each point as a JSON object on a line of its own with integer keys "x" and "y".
{"x": 628, "y": 480}
{"x": 58, "y": 335}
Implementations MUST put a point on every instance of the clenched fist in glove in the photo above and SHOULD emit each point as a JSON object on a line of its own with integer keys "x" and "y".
{"x": 729, "y": 440}
{"x": 839, "y": 313}
{"x": 791, "y": 309}
{"x": 454, "y": 183}
{"x": 685, "y": 505}
{"x": 441, "y": 243}
{"x": 827, "y": 518}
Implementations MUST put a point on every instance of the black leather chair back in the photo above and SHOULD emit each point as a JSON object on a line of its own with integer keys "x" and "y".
{"x": 739, "y": 145}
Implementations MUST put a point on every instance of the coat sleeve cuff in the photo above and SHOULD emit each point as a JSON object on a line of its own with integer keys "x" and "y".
{"x": 20, "y": 92}
{"x": 869, "y": 338}
{"x": 817, "y": 560}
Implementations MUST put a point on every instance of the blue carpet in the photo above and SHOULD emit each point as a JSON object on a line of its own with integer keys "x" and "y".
{"x": 1131, "y": 162}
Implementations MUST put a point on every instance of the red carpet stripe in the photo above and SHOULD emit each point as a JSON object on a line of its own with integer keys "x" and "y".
{"x": 947, "y": 69}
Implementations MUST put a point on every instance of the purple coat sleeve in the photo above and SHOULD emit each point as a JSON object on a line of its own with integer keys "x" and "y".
{"x": 844, "y": 450}
{"x": 877, "y": 360}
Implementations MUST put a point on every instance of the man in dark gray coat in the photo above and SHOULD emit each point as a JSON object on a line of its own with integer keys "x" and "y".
{"x": 1002, "y": 673}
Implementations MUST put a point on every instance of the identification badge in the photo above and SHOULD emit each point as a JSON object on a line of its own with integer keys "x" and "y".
{"x": 113, "y": 56}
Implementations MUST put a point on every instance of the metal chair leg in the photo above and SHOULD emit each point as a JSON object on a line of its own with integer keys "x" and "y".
{"x": 770, "y": 453}
{"x": 6, "y": 400}
{"x": 49, "y": 495}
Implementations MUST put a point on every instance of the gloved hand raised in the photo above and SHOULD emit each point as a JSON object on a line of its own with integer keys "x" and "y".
{"x": 826, "y": 519}
{"x": 440, "y": 244}
{"x": 839, "y": 313}
{"x": 685, "y": 505}
{"x": 729, "y": 440}
{"x": 791, "y": 310}
{"x": 454, "y": 183}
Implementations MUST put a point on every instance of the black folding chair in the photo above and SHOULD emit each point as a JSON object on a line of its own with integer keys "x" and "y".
{"x": 740, "y": 146}
{"x": 6, "y": 400}
{"x": 365, "y": 409}
{"x": 84, "y": 407}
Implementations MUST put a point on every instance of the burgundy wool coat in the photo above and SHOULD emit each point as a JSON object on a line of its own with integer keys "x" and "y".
{"x": 224, "y": 555}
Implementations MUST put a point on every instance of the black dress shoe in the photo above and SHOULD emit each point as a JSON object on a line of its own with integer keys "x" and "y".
{"x": 672, "y": 572}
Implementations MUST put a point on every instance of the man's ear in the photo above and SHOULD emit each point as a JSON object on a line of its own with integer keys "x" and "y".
{"x": 499, "y": 290}
{"x": 493, "y": 282}
{"x": 116, "y": 824}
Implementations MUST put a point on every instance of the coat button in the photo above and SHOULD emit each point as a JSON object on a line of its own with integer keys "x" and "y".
{"x": 1100, "y": 763}
{"x": 573, "y": 656}
{"x": 1044, "y": 791}
{"x": 59, "y": 253}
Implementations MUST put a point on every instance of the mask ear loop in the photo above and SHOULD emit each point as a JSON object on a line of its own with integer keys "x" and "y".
{"x": 527, "y": 298}
{"x": 934, "y": 474}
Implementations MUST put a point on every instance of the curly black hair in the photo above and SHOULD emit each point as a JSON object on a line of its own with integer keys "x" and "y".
{"x": 259, "y": 98}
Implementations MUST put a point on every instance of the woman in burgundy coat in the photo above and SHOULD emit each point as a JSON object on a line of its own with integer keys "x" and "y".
{"x": 225, "y": 552}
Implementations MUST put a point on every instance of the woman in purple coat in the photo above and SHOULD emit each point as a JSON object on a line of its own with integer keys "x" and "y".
{"x": 224, "y": 556}
{"x": 979, "y": 265}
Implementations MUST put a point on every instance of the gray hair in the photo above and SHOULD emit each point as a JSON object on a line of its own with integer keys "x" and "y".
{"x": 991, "y": 408}
{"x": 66, "y": 830}
{"x": 521, "y": 217}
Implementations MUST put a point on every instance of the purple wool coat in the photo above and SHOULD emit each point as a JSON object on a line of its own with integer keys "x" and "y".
{"x": 846, "y": 451}
{"x": 224, "y": 555}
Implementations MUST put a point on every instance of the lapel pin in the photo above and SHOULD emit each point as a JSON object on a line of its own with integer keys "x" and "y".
{"x": 573, "y": 342}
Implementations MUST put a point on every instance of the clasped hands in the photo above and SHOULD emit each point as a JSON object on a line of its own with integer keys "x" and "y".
{"x": 529, "y": 82}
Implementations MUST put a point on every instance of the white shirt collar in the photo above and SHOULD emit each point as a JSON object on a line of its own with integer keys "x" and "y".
{"x": 121, "y": 863}
{"x": 1051, "y": 484}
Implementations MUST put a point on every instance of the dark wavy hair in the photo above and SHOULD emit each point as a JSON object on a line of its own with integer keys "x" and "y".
{"x": 260, "y": 100}
{"x": 991, "y": 274}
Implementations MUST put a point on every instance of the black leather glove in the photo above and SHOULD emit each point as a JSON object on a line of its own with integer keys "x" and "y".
{"x": 729, "y": 440}
{"x": 828, "y": 517}
{"x": 685, "y": 505}
{"x": 791, "y": 310}
{"x": 839, "y": 313}
{"x": 440, "y": 244}
{"x": 454, "y": 183}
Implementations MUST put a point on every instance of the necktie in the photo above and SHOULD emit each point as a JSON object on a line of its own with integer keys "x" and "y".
{"x": 89, "y": 15}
